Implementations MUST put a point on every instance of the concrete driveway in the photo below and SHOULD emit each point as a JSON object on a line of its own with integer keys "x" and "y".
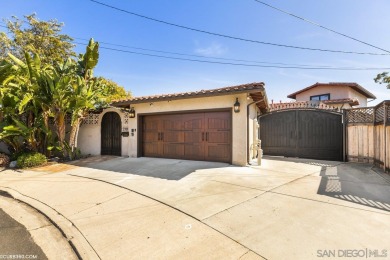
{"x": 159, "y": 208}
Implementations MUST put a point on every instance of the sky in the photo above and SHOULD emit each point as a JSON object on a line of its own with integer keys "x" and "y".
{"x": 145, "y": 75}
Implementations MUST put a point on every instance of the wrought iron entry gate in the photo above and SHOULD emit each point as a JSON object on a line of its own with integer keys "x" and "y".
{"x": 313, "y": 134}
{"x": 111, "y": 134}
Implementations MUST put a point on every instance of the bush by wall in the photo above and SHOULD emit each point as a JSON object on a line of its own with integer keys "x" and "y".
{"x": 30, "y": 160}
{"x": 4, "y": 160}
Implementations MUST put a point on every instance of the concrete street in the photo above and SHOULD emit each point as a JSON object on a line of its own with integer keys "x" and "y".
{"x": 138, "y": 208}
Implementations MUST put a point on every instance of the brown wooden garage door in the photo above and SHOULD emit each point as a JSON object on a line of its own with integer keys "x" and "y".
{"x": 193, "y": 136}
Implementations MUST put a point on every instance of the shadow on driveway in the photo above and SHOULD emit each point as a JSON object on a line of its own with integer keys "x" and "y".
{"x": 169, "y": 169}
{"x": 356, "y": 183}
{"x": 302, "y": 161}
{"x": 353, "y": 182}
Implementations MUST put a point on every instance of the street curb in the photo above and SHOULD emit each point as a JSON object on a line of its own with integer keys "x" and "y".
{"x": 69, "y": 231}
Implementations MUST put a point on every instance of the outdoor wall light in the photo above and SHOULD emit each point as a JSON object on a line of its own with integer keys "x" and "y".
{"x": 237, "y": 106}
{"x": 132, "y": 112}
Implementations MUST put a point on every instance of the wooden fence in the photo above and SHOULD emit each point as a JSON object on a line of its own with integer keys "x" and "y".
{"x": 368, "y": 135}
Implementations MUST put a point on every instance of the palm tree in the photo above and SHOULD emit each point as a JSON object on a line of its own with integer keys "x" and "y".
{"x": 85, "y": 90}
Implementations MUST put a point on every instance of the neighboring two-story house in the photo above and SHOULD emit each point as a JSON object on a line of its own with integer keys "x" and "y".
{"x": 337, "y": 94}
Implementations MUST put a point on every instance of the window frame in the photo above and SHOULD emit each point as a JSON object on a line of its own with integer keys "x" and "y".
{"x": 319, "y": 97}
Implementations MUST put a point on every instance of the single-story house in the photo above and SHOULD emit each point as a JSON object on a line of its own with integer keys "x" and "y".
{"x": 339, "y": 94}
{"x": 210, "y": 125}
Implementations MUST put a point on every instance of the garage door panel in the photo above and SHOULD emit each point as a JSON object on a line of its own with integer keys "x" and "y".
{"x": 150, "y": 136}
{"x": 151, "y": 149}
{"x": 218, "y": 152}
{"x": 194, "y": 151}
{"x": 222, "y": 137}
{"x": 173, "y": 136}
{"x": 218, "y": 121}
{"x": 173, "y": 124}
{"x": 194, "y": 123}
{"x": 151, "y": 124}
{"x": 194, "y": 136}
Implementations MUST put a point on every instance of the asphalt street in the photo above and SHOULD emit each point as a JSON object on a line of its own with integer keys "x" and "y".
{"x": 16, "y": 241}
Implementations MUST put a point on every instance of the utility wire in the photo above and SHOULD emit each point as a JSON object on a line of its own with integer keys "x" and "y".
{"x": 229, "y": 36}
{"x": 286, "y": 65}
{"x": 199, "y": 56}
{"x": 192, "y": 55}
{"x": 235, "y": 64}
{"x": 319, "y": 25}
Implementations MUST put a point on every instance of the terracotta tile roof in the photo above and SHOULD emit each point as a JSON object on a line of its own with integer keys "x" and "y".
{"x": 252, "y": 88}
{"x": 281, "y": 105}
{"x": 287, "y": 103}
{"x": 352, "y": 85}
{"x": 303, "y": 104}
{"x": 350, "y": 101}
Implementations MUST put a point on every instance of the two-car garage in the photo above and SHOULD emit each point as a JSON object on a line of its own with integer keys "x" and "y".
{"x": 218, "y": 125}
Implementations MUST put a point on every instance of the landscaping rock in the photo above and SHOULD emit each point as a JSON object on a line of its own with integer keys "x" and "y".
{"x": 12, "y": 164}
{"x": 54, "y": 159}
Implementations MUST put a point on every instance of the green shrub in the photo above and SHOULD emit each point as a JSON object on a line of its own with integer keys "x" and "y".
{"x": 30, "y": 160}
{"x": 15, "y": 156}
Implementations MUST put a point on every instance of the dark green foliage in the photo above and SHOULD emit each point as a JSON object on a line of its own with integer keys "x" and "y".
{"x": 32, "y": 35}
{"x": 383, "y": 78}
{"x": 41, "y": 80}
{"x": 30, "y": 160}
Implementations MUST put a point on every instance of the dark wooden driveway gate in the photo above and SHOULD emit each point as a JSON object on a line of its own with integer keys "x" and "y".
{"x": 311, "y": 133}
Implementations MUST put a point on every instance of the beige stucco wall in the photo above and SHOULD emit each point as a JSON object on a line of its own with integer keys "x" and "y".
{"x": 362, "y": 99}
{"x": 89, "y": 137}
{"x": 336, "y": 92}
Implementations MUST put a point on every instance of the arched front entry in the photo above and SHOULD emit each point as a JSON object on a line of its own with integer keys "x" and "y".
{"x": 111, "y": 141}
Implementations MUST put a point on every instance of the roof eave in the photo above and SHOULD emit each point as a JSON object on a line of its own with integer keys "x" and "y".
{"x": 170, "y": 97}
{"x": 262, "y": 102}
{"x": 354, "y": 86}
{"x": 363, "y": 91}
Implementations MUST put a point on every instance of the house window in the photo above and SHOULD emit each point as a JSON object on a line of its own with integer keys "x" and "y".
{"x": 320, "y": 97}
